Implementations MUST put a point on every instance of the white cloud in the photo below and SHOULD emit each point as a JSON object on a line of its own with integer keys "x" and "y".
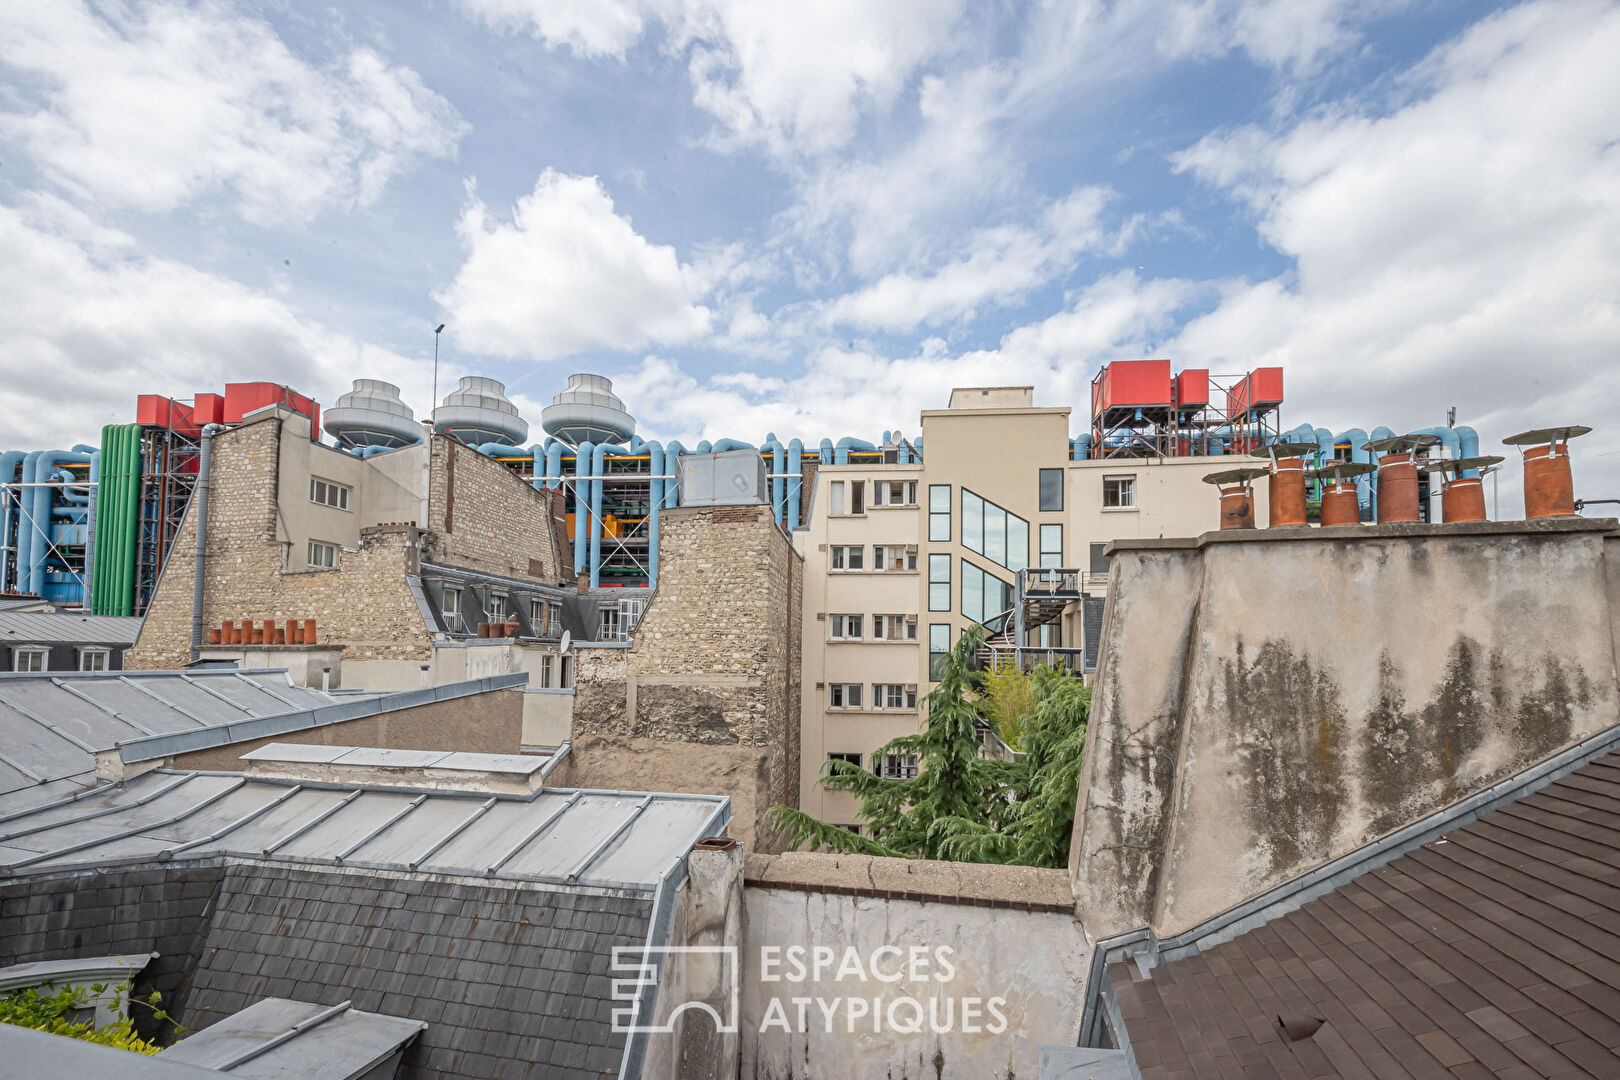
{"x": 1003, "y": 264}
{"x": 92, "y": 321}
{"x": 160, "y": 105}
{"x": 588, "y": 28}
{"x": 566, "y": 274}
{"x": 1458, "y": 249}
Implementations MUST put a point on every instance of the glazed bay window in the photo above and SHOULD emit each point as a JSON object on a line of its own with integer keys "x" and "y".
{"x": 894, "y": 628}
{"x": 93, "y": 659}
{"x": 848, "y": 557}
{"x": 844, "y": 627}
{"x": 939, "y": 513}
{"x": 326, "y": 493}
{"x": 894, "y": 493}
{"x": 844, "y": 695}
{"x": 894, "y": 696}
{"x": 939, "y": 583}
{"x": 29, "y": 659}
{"x": 939, "y": 647}
{"x": 1119, "y": 492}
{"x": 1051, "y": 545}
{"x": 999, "y": 535}
{"x": 323, "y": 555}
{"x": 899, "y": 766}
{"x": 894, "y": 557}
{"x": 984, "y": 596}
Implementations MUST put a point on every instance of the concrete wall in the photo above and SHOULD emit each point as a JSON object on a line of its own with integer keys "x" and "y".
{"x": 1009, "y": 932}
{"x": 1268, "y": 701}
{"x": 486, "y": 723}
{"x": 713, "y": 664}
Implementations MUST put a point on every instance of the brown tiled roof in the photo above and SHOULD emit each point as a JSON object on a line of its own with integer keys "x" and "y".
{"x": 1492, "y": 952}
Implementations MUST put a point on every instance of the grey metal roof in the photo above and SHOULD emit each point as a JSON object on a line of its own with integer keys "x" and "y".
{"x": 39, "y": 1053}
{"x": 276, "y": 1038}
{"x": 383, "y": 758}
{"x": 67, "y": 628}
{"x": 74, "y": 970}
{"x": 53, "y": 723}
{"x": 601, "y": 838}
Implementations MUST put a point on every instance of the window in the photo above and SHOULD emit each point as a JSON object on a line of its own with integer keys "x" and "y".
{"x": 93, "y": 659}
{"x": 894, "y": 627}
{"x": 1051, "y": 546}
{"x": 894, "y": 557}
{"x": 984, "y": 595}
{"x": 848, "y": 557}
{"x": 1119, "y": 492}
{"x": 29, "y": 659}
{"x": 1051, "y": 489}
{"x": 893, "y": 696}
{"x": 939, "y": 583}
{"x": 844, "y": 695}
{"x": 546, "y": 666}
{"x": 323, "y": 555}
{"x": 939, "y": 645}
{"x": 1099, "y": 561}
{"x": 497, "y": 607}
{"x": 844, "y": 627}
{"x": 997, "y": 534}
{"x": 894, "y": 493}
{"x": 608, "y": 626}
{"x": 836, "y": 507}
{"x": 857, "y": 496}
{"x": 939, "y": 512}
{"x": 327, "y": 493}
{"x": 899, "y": 766}
{"x": 853, "y": 759}
{"x": 452, "y": 604}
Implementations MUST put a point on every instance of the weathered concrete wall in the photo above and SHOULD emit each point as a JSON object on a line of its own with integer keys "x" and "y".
{"x": 486, "y": 723}
{"x": 1015, "y": 959}
{"x": 1269, "y": 701}
{"x": 713, "y": 664}
{"x": 485, "y": 518}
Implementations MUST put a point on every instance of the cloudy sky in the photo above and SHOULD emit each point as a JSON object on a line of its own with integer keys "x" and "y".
{"x": 815, "y": 218}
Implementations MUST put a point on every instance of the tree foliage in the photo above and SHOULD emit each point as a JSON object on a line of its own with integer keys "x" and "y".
{"x": 56, "y": 1011}
{"x": 961, "y": 805}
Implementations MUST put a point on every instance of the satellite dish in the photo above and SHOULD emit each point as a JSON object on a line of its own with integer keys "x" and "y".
{"x": 567, "y": 640}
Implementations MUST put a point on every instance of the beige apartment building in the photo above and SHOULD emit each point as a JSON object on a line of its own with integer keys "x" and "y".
{"x": 902, "y": 558}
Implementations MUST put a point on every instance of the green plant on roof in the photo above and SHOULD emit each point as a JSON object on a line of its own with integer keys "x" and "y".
{"x": 57, "y": 1010}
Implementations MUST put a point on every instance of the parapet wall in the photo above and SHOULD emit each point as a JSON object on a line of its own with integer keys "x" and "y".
{"x": 1269, "y": 700}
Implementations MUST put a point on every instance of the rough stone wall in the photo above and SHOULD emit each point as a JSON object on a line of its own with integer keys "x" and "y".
{"x": 1268, "y": 702}
{"x": 482, "y": 517}
{"x": 497, "y": 524}
{"x": 1009, "y": 933}
{"x": 715, "y": 659}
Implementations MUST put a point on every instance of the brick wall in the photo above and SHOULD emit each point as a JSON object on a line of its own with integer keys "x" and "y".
{"x": 715, "y": 658}
{"x": 492, "y": 521}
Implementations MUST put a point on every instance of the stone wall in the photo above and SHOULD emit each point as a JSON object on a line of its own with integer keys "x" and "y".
{"x": 1270, "y": 700}
{"x": 492, "y": 521}
{"x": 713, "y": 663}
{"x": 1016, "y": 962}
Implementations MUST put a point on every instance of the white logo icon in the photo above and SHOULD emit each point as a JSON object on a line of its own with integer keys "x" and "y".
{"x": 644, "y": 963}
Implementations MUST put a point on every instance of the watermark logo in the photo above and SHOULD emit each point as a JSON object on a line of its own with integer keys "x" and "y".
{"x": 642, "y": 962}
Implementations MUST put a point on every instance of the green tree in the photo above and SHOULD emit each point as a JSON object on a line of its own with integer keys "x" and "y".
{"x": 961, "y": 805}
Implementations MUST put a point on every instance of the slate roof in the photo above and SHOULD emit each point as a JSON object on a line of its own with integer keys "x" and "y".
{"x": 1494, "y": 951}
{"x": 52, "y": 723}
{"x": 67, "y": 628}
{"x": 511, "y": 982}
{"x": 609, "y": 839}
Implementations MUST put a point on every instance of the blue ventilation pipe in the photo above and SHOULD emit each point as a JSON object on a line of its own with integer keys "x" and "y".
{"x": 1448, "y": 438}
{"x": 845, "y": 445}
{"x": 45, "y": 468}
{"x": 655, "y": 499}
{"x": 90, "y": 522}
{"x": 10, "y": 462}
{"x": 554, "y": 456}
{"x": 599, "y": 455}
{"x": 726, "y": 444}
{"x": 1468, "y": 446}
{"x": 778, "y": 485}
{"x": 826, "y": 451}
{"x": 672, "y": 467}
{"x": 582, "y": 502}
{"x": 24, "y": 526}
{"x": 795, "y": 481}
{"x": 703, "y": 447}
{"x": 1080, "y": 447}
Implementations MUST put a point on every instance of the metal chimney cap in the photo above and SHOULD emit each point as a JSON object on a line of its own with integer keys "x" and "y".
{"x": 1546, "y": 435}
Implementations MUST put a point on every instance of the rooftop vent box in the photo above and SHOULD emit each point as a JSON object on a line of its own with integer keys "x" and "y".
{"x": 730, "y": 478}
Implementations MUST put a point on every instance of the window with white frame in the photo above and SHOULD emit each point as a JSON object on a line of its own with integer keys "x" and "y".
{"x": 894, "y": 627}
{"x": 894, "y": 493}
{"x": 326, "y": 493}
{"x": 29, "y": 659}
{"x": 452, "y": 603}
{"x": 844, "y": 627}
{"x": 939, "y": 513}
{"x": 899, "y": 766}
{"x": 1051, "y": 545}
{"x": 609, "y": 627}
{"x": 849, "y": 557}
{"x": 546, "y": 666}
{"x": 323, "y": 555}
{"x": 1119, "y": 492}
{"x": 835, "y": 499}
{"x": 894, "y": 696}
{"x": 939, "y": 583}
{"x": 894, "y": 557}
{"x": 844, "y": 695}
{"x": 94, "y": 659}
{"x": 497, "y": 607}
{"x": 537, "y": 615}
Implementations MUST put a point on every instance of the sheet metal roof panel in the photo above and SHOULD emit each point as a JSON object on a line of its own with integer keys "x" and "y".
{"x": 65, "y": 710}
{"x": 411, "y": 838}
{"x": 275, "y": 824}
{"x": 39, "y": 748}
{"x": 493, "y": 834}
{"x": 77, "y": 827}
{"x": 250, "y": 691}
{"x": 124, "y": 699}
{"x": 187, "y": 698}
{"x": 309, "y": 752}
{"x": 382, "y": 757}
{"x": 557, "y": 850}
{"x": 646, "y": 846}
{"x": 346, "y": 1044}
{"x": 520, "y": 764}
{"x": 337, "y": 833}
{"x": 66, "y": 628}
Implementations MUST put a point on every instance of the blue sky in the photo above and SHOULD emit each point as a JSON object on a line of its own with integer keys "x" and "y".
{"x": 815, "y": 218}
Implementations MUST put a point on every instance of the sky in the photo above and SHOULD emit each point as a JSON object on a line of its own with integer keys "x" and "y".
{"x": 816, "y": 218}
